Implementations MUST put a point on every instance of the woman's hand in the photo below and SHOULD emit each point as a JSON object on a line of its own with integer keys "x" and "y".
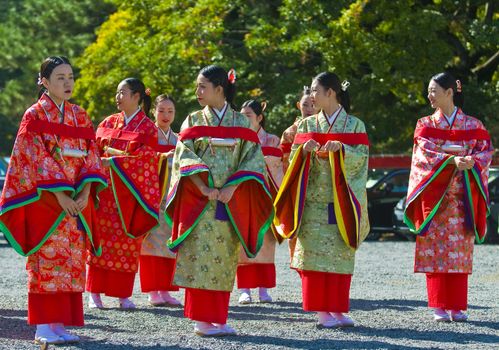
{"x": 105, "y": 161}
{"x": 67, "y": 203}
{"x": 169, "y": 154}
{"x": 464, "y": 163}
{"x": 82, "y": 198}
{"x": 310, "y": 145}
{"x": 226, "y": 193}
{"x": 211, "y": 193}
{"x": 332, "y": 146}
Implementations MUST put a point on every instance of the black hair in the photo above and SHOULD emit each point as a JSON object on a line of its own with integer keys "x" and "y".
{"x": 447, "y": 81}
{"x": 161, "y": 98}
{"x": 331, "y": 81}
{"x": 258, "y": 108}
{"x": 218, "y": 77}
{"x": 137, "y": 86}
{"x": 46, "y": 69}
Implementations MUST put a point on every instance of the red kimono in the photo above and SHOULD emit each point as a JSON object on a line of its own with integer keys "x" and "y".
{"x": 53, "y": 152}
{"x": 129, "y": 208}
{"x": 447, "y": 207}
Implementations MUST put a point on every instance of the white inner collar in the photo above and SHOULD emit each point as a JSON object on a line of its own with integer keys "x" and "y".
{"x": 220, "y": 113}
{"x": 451, "y": 118}
{"x": 333, "y": 116}
{"x": 129, "y": 119}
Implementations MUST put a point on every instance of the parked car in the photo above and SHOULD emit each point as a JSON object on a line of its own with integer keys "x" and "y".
{"x": 4, "y": 163}
{"x": 492, "y": 220}
{"x": 385, "y": 187}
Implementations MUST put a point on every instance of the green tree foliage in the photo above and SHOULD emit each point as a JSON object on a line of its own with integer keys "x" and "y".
{"x": 388, "y": 50}
{"x": 31, "y": 30}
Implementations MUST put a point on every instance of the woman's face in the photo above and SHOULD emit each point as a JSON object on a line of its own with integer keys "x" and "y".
{"x": 206, "y": 93}
{"x": 306, "y": 106}
{"x": 252, "y": 117}
{"x": 165, "y": 114}
{"x": 438, "y": 96}
{"x": 319, "y": 94}
{"x": 126, "y": 100}
{"x": 60, "y": 84}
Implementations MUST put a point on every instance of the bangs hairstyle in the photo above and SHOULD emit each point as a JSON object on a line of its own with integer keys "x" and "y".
{"x": 218, "y": 77}
{"x": 258, "y": 108}
{"x": 46, "y": 69}
{"x": 161, "y": 98}
{"x": 331, "y": 81}
{"x": 447, "y": 81}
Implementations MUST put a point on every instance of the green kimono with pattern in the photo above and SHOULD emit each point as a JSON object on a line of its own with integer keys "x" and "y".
{"x": 208, "y": 248}
{"x": 319, "y": 245}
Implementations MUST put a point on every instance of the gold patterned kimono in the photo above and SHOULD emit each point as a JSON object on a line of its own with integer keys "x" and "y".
{"x": 207, "y": 242}
{"x": 320, "y": 246}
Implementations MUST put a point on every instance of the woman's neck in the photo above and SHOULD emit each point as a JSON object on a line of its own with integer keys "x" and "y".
{"x": 255, "y": 128}
{"x": 331, "y": 108}
{"x": 218, "y": 105}
{"x": 56, "y": 100}
{"x": 130, "y": 111}
{"x": 448, "y": 110}
{"x": 165, "y": 129}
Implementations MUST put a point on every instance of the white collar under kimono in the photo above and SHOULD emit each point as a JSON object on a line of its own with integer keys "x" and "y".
{"x": 332, "y": 118}
{"x": 450, "y": 119}
{"x": 129, "y": 119}
{"x": 220, "y": 113}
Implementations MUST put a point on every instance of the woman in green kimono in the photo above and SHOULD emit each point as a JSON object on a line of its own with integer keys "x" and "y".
{"x": 218, "y": 200}
{"x": 322, "y": 201}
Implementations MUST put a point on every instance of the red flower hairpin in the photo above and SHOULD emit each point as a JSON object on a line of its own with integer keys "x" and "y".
{"x": 232, "y": 76}
{"x": 459, "y": 86}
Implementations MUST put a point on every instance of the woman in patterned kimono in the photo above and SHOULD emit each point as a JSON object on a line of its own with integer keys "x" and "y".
{"x": 157, "y": 262}
{"x": 447, "y": 200}
{"x": 322, "y": 200}
{"x": 259, "y": 272}
{"x": 47, "y": 208}
{"x": 130, "y": 206}
{"x": 218, "y": 201}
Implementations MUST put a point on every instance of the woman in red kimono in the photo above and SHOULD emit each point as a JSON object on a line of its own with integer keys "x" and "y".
{"x": 47, "y": 208}
{"x": 447, "y": 200}
{"x": 129, "y": 208}
{"x": 259, "y": 272}
{"x": 157, "y": 262}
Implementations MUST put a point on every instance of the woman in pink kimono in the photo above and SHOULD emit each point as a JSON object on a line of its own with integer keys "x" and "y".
{"x": 447, "y": 200}
{"x": 259, "y": 272}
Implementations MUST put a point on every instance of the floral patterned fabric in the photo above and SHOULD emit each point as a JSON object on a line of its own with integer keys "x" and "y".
{"x": 447, "y": 247}
{"x": 319, "y": 245}
{"x": 120, "y": 252}
{"x": 38, "y": 166}
{"x": 207, "y": 257}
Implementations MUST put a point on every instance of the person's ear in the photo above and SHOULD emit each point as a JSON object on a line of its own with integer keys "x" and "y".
{"x": 45, "y": 83}
{"x": 298, "y": 106}
{"x": 219, "y": 89}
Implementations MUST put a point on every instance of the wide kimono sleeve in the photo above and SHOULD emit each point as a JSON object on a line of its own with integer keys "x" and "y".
{"x": 349, "y": 168}
{"x": 250, "y": 210}
{"x": 29, "y": 211}
{"x": 290, "y": 198}
{"x": 135, "y": 180}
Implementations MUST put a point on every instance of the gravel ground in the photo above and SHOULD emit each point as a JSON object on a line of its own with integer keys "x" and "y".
{"x": 388, "y": 303}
